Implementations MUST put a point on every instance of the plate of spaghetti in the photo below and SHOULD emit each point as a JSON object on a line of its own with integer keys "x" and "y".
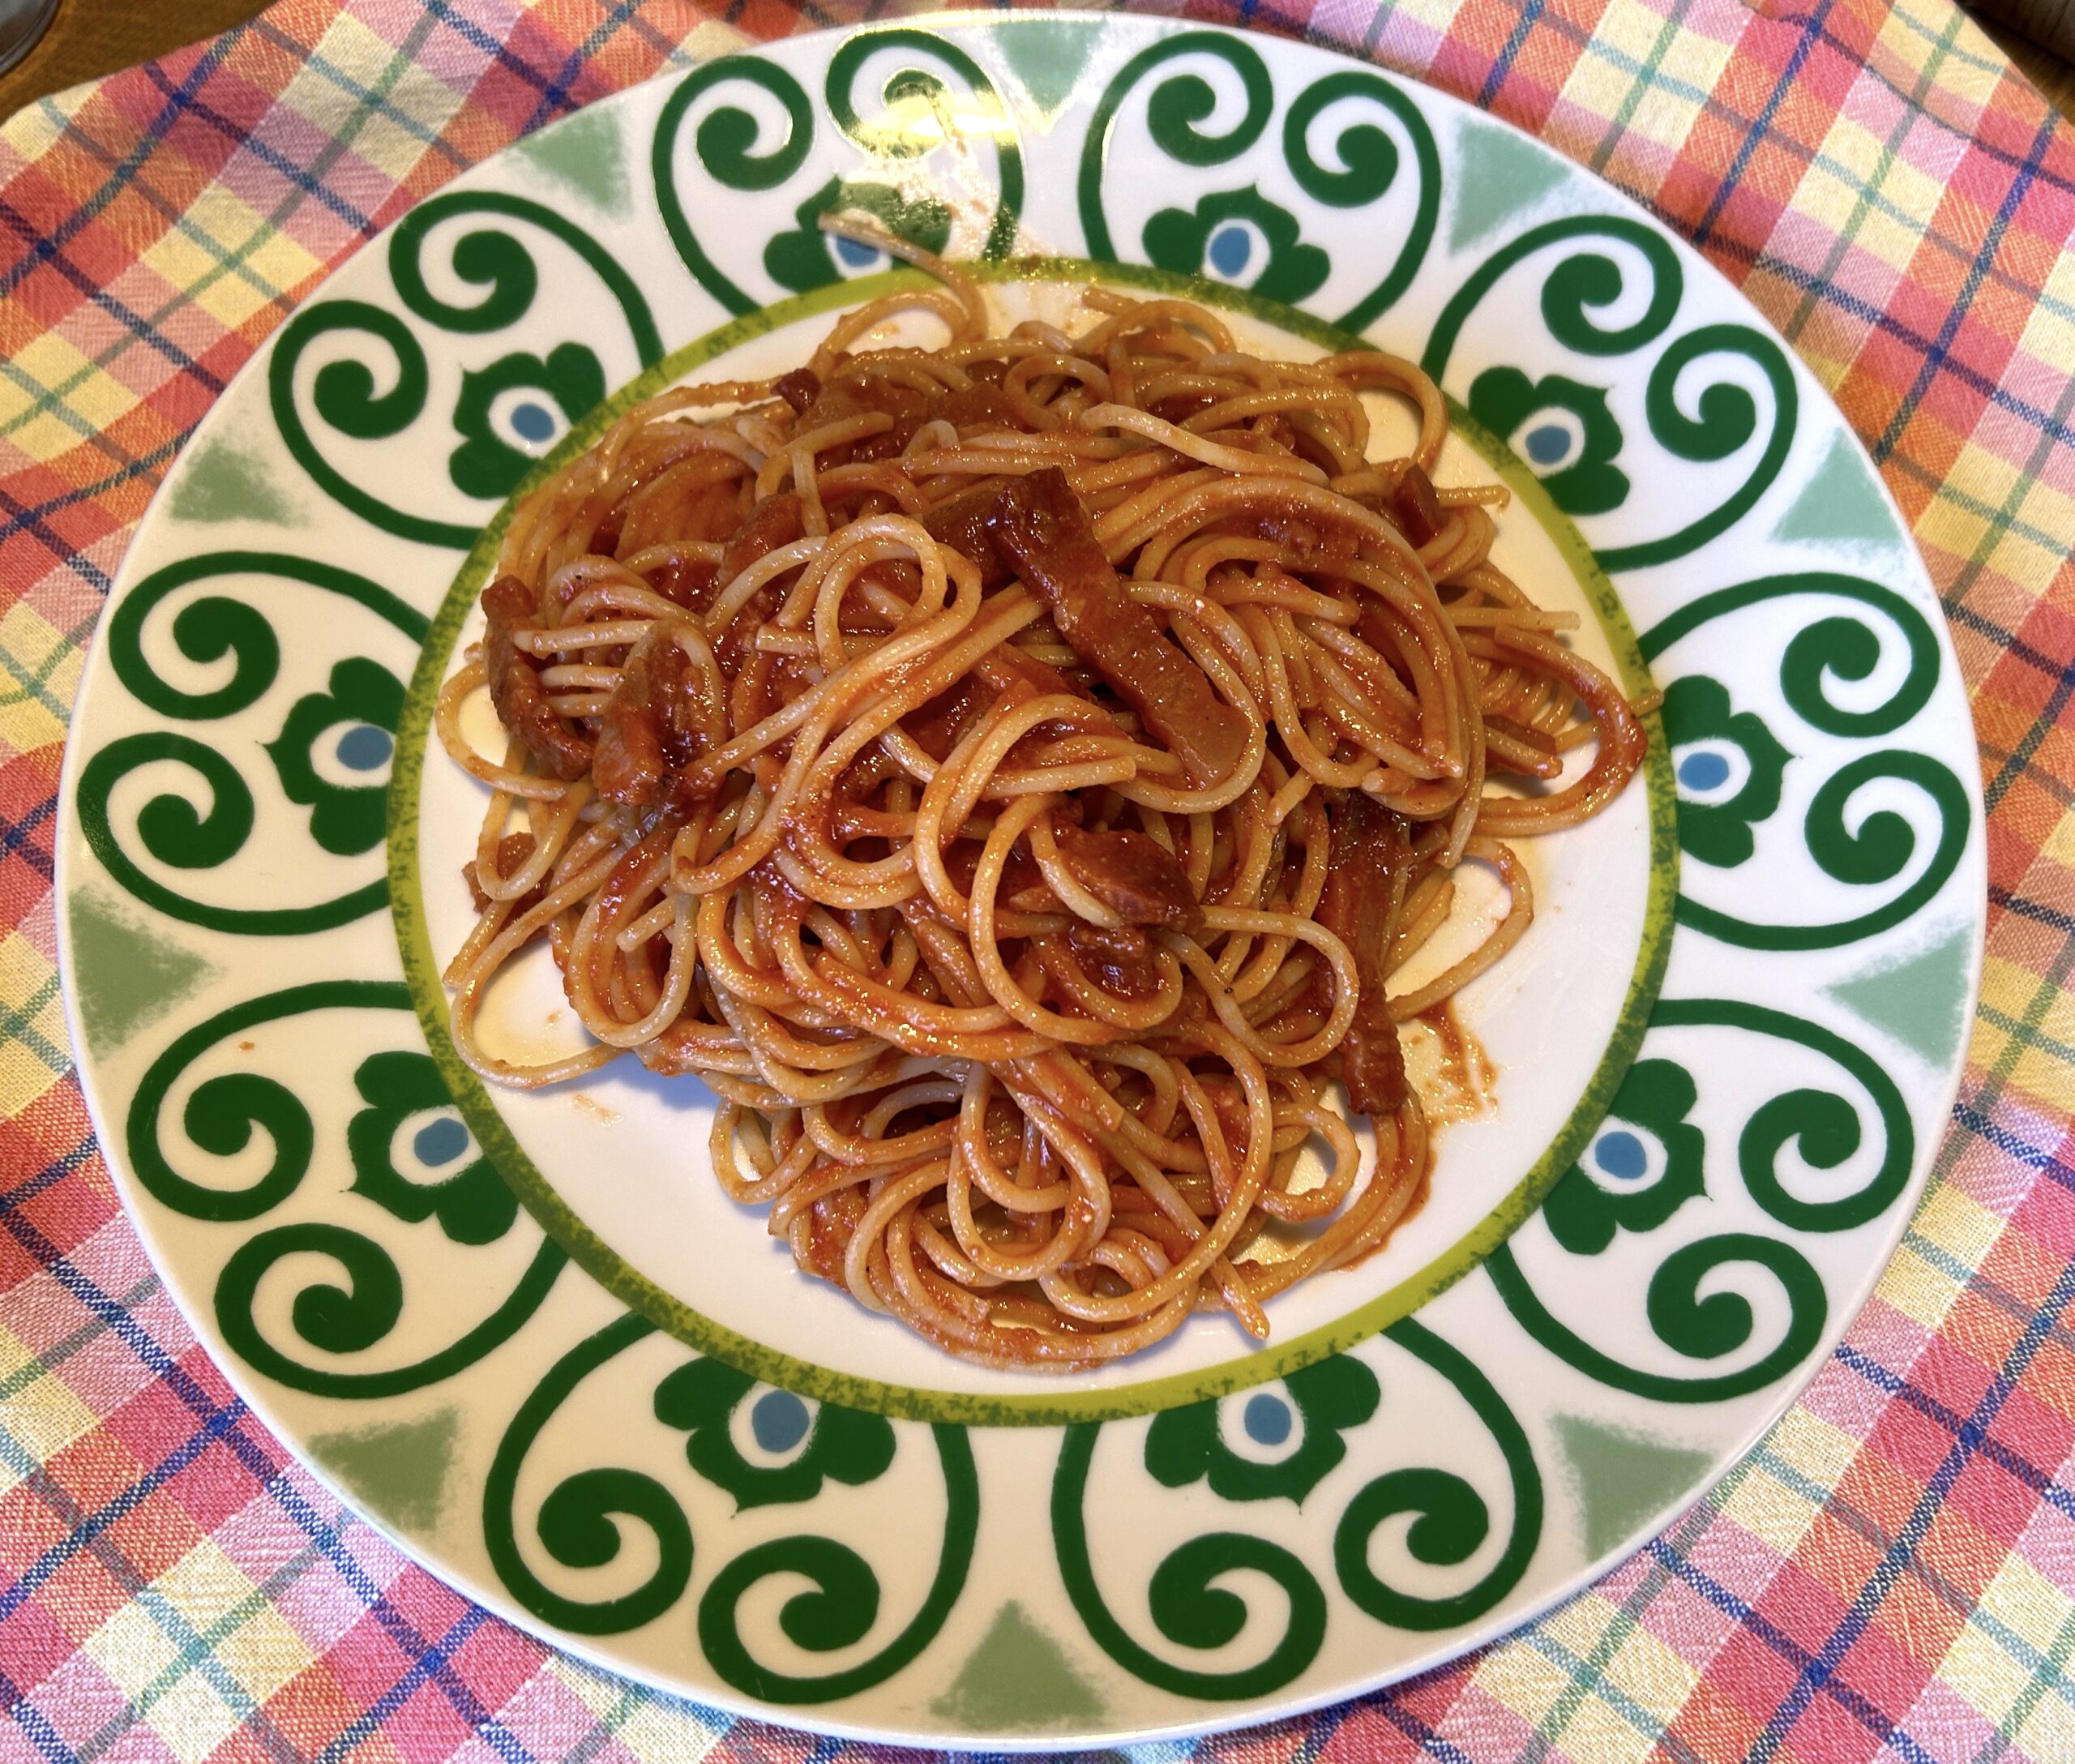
{"x": 1023, "y": 883}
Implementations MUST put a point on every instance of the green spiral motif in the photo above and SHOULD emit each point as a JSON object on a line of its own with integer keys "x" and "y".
{"x": 1826, "y": 1129}
{"x": 1877, "y": 851}
{"x": 729, "y": 147}
{"x": 1187, "y": 1607}
{"x": 1726, "y": 420}
{"x": 1369, "y": 161}
{"x": 174, "y": 832}
{"x": 1451, "y": 1520}
{"x": 209, "y": 628}
{"x": 221, "y": 1115}
{"x": 1175, "y": 113}
{"x": 351, "y": 1319}
{"x": 575, "y": 1524}
{"x": 1695, "y": 1327}
{"x": 1583, "y": 282}
{"x": 223, "y": 1111}
{"x": 502, "y": 266}
{"x": 1836, "y": 648}
{"x": 344, "y": 393}
{"x": 1881, "y": 849}
{"x": 841, "y": 1604}
{"x": 911, "y": 85}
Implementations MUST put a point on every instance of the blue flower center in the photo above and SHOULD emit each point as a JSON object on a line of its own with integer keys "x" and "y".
{"x": 364, "y": 748}
{"x": 1230, "y": 246}
{"x": 855, "y": 255}
{"x": 779, "y": 1421}
{"x": 1621, "y": 1155}
{"x": 1548, "y": 443}
{"x": 440, "y": 1142}
{"x": 1267, "y": 1420}
{"x": 1704, "y": 771}
{"x": 532, "y": 422}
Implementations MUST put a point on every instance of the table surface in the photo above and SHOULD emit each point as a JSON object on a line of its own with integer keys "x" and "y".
{"x": 1889, "y": 1576}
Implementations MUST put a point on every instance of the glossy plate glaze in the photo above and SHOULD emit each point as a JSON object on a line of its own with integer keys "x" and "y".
{"x": 527, "y": 1335}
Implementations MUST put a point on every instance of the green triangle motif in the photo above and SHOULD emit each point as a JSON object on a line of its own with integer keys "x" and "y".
{"x": 583, "y": 154}
{"x": 220, "y": 482}
{"x": 397, "y": 1471}
{"x": 1920, "y": 1000}
{"x": 1047, "y": 55}
{"x": 1622, "y": 1479}
{"x": 1502, "y": 173}
{"x": 125, "y": 975}
{"x": 1840, "y": 504}
{"x": 1017, "y": 1680}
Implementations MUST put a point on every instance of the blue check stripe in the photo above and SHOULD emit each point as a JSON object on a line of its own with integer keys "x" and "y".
{"x": 1502, "y": 64}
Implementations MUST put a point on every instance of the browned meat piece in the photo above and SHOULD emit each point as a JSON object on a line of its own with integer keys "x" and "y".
{"x": 1119, "y": 960}
{"x": 686, "y": 581}
{"x": 799, "y": 389}
{"x": 962, "y": 522}
{"x": 1136, "y": 876}
{"x": 651, "y": 727}
{"x": 1368, "y": 844}
{"x": 1041, "y": 529}
{"x": 775, "y": 521}
{"x": 1415, "y": 508}
{"x": 513, "y": 850}
{"x": 514, "y": 684}
{"x": 980, "y": 405}
{"x": 940, "y": 724}
{"x": 1176, "y": 408}
{"x": 1317, "y": 539}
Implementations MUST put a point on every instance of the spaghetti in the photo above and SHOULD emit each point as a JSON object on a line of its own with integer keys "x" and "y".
{"x": 1010, "y": 775}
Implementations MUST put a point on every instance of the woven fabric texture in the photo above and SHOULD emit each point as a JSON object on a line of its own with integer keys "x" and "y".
{"x": 1890, "y": 1576}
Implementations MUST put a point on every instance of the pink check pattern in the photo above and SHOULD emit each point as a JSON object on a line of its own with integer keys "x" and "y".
{"x": 1890, "y": 1576}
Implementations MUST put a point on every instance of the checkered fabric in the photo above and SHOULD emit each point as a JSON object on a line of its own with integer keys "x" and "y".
{"x": 1891, "y": 1575}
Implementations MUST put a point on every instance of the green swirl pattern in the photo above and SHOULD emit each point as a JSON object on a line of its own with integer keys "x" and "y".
{"x": 838, "y": 1608}
{"x": 575, "y": 1522}
{"x": 1451, "y": 1522}
{"x": 1178, "y": 113}
{"x": 1883, "y": 846}
{"x": 170, "y": 828}
{"x": 1725, "y": 418}
{"x": 1826, "y": 1130}
{"x": 221, "y": 1116}
{"x": 729, "y": 149}
{"x": 345, "y": 393}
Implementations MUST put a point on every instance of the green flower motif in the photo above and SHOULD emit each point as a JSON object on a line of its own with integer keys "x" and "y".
{"x": 448, "y": 1179}
{"x": 1242, "y": 237}
{"x": 1729, "y": 770}
{"x": 503, "y": 437}
{"x": 1313, "y": 1407}
{"x": 1646, "y": 1162}
{"x": 316, "y": 765}
{"x": 787, "y": 1449}
{"x": 805, "y": 258}
{"x": 1571, "y": 437}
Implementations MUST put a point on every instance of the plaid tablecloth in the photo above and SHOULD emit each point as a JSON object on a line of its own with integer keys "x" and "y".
{"x": 1891, "y": 1575}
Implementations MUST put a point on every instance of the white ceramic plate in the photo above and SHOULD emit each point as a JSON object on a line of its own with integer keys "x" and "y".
{"x": 529, "y": 1336}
